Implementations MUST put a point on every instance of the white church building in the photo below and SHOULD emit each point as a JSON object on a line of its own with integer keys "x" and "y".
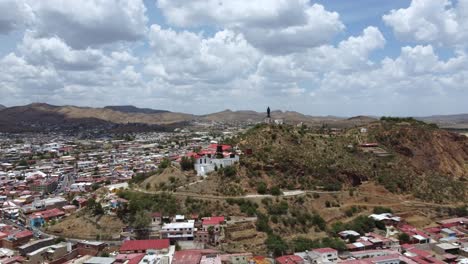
{"x": 208, "y": 160}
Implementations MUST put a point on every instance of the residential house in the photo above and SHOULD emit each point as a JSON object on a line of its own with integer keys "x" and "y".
{"x": 178, "y": 231}
{"x": 142, "y": 246}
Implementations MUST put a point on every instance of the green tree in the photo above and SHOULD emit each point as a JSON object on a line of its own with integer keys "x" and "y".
{"x": 261, "y": 188}
{"x": 230, "y": 171}
{"x": 140, "y": 224}
{"x": 23, "y": 163}
{"x": 276, "y": 245}
{"x": 187, "y": 163}
{"x": 165, "y": 163}
{"x": 404, "y": 238}
{"x": 98, "y": 210}
{"x": 262, "y": 223}
{"x": 382, "y": 210}
{"x": 275, "y": 190}
{"x": 301, "y": 244}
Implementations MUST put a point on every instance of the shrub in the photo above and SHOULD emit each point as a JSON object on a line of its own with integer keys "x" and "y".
{"x": 230, "y": 171}
{"x": 275, "y": 190}
{"x": 262, "y": 223}
{"x": 164, "y": 163}
{"x": 404, "y": 238}
{"x": 187, "y": 163}
{"x": 278, "y": 208}
{"x": 261, "y": 188}
{"x": 276, "y": 245}
{"x": 382, "y": 210}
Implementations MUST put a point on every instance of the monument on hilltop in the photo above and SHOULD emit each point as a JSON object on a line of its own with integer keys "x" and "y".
{"x": 268, "y": 117}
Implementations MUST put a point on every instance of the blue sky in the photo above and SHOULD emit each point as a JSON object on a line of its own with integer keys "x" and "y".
{"x": 323, "y": 57}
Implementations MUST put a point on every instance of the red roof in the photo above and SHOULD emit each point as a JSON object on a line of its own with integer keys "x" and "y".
{"x": 206, "y": 152}
{"x": 47, "y": 214}
{"x": 433, "y": 230}
{"x": 224, "y": 147}
{"x": 132, "y": 258}
{"x": 156, "y": 214}
{"x": 325, "y": 250}
{"x": 420, "y": 252}
{"x": 193, "y": 154}
{"x": 23, "y": 234}
{"x": 213, "y": 220}
{"x": 187, "y": 257}
{"x": 191, "y": 255}
{"x": 142, "y": 245}
{"x": 290, "y": 259}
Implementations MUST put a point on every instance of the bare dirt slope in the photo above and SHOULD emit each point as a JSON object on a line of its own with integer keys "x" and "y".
{"x": 82, "y": 226}
{"x": 169, "y": 178}
{"x": 419, "y": 159}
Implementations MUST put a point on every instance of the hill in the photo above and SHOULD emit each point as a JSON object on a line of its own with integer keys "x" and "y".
{"x": 2, "y": 107}
{"x": 459, "y": 121}
{"x": 39, "y": 116}
{"x": 228, "y": 115}
{"x": 84, "y": 226}
{"x": 290, "y": 117}
{"x": 35, "y": 117}
{"x": 169, "y": 179}
{"x": 406, "y": 158}
{"x": 134, "y": 109}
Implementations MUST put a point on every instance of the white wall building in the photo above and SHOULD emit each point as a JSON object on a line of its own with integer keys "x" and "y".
{"x": 320, "y": 255}
{"x": 205, "y": 164}
{"x": 178, "y": 231}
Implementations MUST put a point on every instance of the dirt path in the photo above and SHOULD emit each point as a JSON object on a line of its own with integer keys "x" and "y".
{"x": 247, "y": 196}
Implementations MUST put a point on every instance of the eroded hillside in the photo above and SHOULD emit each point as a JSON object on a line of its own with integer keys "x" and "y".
{"x": 405, "y": 157}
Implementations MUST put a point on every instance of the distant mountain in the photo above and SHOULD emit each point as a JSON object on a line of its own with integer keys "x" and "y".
{"x": 230, "y": 116}
{"x": 448, "y": 121}
{"x": 286, "y": 116}
{"x": 2, "y": 107}
{"x": 40, "y": 116}
{"x": 290, "y": 117}
{"x": 134, "y": 109}
{"x": 36, "y": 116}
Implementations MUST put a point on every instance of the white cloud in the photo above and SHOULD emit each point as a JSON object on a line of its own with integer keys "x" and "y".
{"x": 88, "y": 22}
{"x": 261, "y": 53}
{"x": 277, "y": 26}
{"x": 349, "y": 55}
{"x": 185, "y": 57}
{"x": 14, "y": 14}
{"x": 416, "y": 73}
{"x": 22, "y": 82}
{"x": 53, "y": 51}
{"x": 435, "y": 21}
{"x": 124, "y": 57}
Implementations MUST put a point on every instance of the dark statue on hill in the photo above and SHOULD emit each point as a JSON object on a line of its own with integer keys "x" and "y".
{"x": 268, "y": 112}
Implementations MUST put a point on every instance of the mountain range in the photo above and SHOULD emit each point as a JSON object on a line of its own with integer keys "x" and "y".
{"x": 39, "y": 115}
{"x": 134, "y": 109}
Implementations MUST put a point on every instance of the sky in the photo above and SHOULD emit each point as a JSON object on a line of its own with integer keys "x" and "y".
{"x": 318, "y": 57}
